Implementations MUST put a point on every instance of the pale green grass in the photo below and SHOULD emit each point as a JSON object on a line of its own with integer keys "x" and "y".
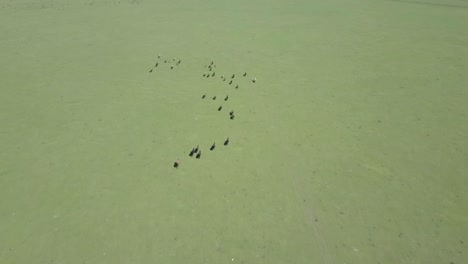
{"x": 350, "y": 148}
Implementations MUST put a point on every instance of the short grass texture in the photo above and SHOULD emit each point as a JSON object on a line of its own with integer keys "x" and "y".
{"x": 351, "y": 147}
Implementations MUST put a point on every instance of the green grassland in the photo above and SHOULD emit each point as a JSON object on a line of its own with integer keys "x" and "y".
{"x": 351, "y": 147}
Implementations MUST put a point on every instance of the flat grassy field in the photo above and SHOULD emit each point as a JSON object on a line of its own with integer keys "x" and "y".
{"x": 350, "y": 147}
